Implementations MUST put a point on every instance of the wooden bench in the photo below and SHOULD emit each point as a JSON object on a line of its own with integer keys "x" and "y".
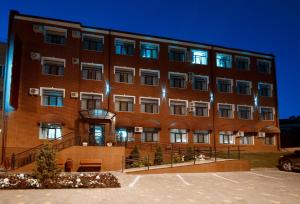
{"x": 90, "y": 165}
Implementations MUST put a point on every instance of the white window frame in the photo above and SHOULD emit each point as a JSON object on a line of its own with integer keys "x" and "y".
{"x": 149, "y": 70}
{"x": 196, "y": 133}
{"x": 221, "y": 53}
{"x": 251, "y": 111}
{"x": 273, "y": 108}
{"x": 232, "y": 107}
{"x": 124, "y": 68}
{"x": 55, "y": 29}
{"x": 225, "y": 132}
{"x": 231, "y": 81}
{"x": 252, "y": 140}
{"x": 92, "y": 36}
{"x": 249, "y": 82}
{"x": 50, "y": 88}
{"x": 178, "y": 73}
{"x": 119, "y": 95}
{"x": 90, "y": 93}
{"x": 181, "y": 100}
{"x": 151, "y": 98}
{"x": 243, "y": 57}
{"x": 203, "y": 76}
{"x": 208, "y": 107}
{"x": 264, "y": 83}
{"x": 54, "y": 59}
{"x": 92, "y": 65}
{"x": 199, "y": 50}
{"x": 124, "y": 40}
{"x": 264, "y": 60}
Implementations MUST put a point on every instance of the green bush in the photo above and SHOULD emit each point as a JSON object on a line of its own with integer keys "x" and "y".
{"x": 158, "y": 157}
{"x": 189, "y": 155}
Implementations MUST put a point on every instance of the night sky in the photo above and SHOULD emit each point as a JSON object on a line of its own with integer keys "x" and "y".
{"x": 271, "y": 26}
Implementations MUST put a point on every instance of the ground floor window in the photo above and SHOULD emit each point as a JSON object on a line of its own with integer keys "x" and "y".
{"x": 200, "y": 136}
{"x": 247, "y": 139}
{"x": 270, "y": 140}
{"x": 226, "y": 137}
{"x": 178, "y": 136}
{"x": 150, "y": 135}
{"x": 50, "y": 131}
{"x": 124, "y": 135}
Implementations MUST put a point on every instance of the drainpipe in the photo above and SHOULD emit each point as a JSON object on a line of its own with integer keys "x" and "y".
{"x": 211, "y": 58}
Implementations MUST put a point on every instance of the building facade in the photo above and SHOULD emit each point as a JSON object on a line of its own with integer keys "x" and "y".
{"x": 113, "y": 86}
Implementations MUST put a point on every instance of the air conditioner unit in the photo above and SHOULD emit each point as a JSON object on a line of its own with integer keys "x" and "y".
{"x": 38, "y": 28}
{"x": 75, "y": 60}
{"x": 76, "y": 34}
{"x": 35, "y": 56}
{"x": 192, "y": 109}
{"x": 74, "y": 94}
{"x": 240, "y": 134}
{"x": 261, "y": 134}
{"x": 192, "y": 104}
{"x": 138, "y": 129}
{"x": 34, "y": 91}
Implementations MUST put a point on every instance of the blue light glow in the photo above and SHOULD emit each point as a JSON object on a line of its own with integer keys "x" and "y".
{"x": 211, "y": 97}
{"x": 107, "y": 87}
{"x": 164, "y": 92}
{"x": 255, "y": 101}
{"x": 8, "y": 75}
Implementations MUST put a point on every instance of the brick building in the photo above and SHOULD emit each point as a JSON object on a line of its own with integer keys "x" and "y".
{"x": 112, "y": 86}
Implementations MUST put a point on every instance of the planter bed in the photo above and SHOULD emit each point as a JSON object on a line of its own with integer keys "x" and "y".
{"x": 64, "y": 180}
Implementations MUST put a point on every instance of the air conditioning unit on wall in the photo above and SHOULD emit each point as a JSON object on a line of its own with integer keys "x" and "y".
{"x": 35, "y": 56}
{"x": 192, "y": 109}
{"x": 34, "y": 91}
{"x": 240, "y": 134}
{"x": 261, "y": 134}
{"x": 75, "y": 60}
{"x": 138, "y": 129}
{"x": 74, "y": 94}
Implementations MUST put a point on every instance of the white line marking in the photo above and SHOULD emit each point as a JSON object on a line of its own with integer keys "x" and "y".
{"x": 271, "y": 177}
{"x": 180, "y": 177}
{"x": 274, "y": 201}
{"x": 134, "y": 181}
{"x": 233, "y": 181}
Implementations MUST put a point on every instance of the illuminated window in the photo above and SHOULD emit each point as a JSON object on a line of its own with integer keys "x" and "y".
{"x": 199, "y": 57}
{"x": 224, "y": 60}
{"x": 124, "y": 134}
{"x": 124, "y": 47}
{"x": 52, "y": 97}
{"x": 149, "y": 50}
{"x": 50, "y": 131}
{"x": 201, "y": 109}
{"x": 178, "y": 136}
{"x": 92, "y": 42}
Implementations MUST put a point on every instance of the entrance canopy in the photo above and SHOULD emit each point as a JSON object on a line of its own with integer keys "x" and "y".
{"x": 270, "y": 129}
{"x": 97, "y": 114}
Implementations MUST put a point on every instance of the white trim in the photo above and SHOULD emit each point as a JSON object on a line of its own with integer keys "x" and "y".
{"x": 250, "y": 82}
{"x": 178, "y": 73}
{"x": 186, "y": 101}
{"x": 231, "y": 81}
{"x": 93, "y": 36}
{"x": 124, "y": 40}
{"x": 125, "y": 68}
{"x": 152, "y": 98}
{"x": 273, "y": 109}
{"x": 92, "y": 65}
{"x": 125, "y": 96}
{"x": 50, "y": 88}
{"x": 232, "y": 105}
{"x": 177, "y": 48}
{"x": 251, "y": 110}
{"x": 149, "y": 70}
{"x": 204, "y": 76}
{"x": 53, "y": 59}
{"x": 55, "y": 29}
{"x": 90, "y": 93}
{"x": 269, "y": 84}
{"x": 208, "y": 106}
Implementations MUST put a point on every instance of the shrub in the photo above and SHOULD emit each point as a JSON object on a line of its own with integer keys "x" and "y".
{"x": 189, "y": 154}
{"x": 47, "y": 169}
{"x": 135, "y": 154}
{"x": 158, "y": 157}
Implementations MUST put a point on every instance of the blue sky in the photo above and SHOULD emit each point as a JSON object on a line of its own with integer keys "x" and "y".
{"x": 271, "y": 26}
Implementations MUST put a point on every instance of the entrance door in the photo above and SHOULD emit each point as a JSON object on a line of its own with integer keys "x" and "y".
{"x": 97, "y": 134}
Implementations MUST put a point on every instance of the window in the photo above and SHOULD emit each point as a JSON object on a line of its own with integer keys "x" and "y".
{"x": 55, "y": 35}
{"x": 226, "y": 110}
{"x": 267, "y": 113}
{"x": 178, "y": 136}
{"x": 177, "y": 80}
{"x": 1, "y": 70}
{"x": 247, "y": 139}
{"x": 149, "y": 50}
{"x": 177, "y": 54}
{"x": 92, "y": 42}
{"x": 224, "y": 85}
{"x": 124, "y": 47}
{"x": 201, "y": 109}
{"x": 178, "y": 107}
{"x": 264, "y": 66}
{"x": 224, "y": 60}
{"x": 124, "y": 134}
{"x": 242, "y": 63}
{"x": 90, "y": 101}
{"x": 149, "y": 105}
{"x": 150, "y": 135}
{"x": 50, "y": 131}
{"x": 199, "y": 57}
{"x": 149, "y": 77}
{"x": 52, "y": 97}
{"x": 243, "y": 87}
{"x": 200, "y": 136}
{"x": 265, "y": 89}
{"x": 226, "y": 137}
{"x": 124, "y": 103}
{"x": 245, "y": 112}
{"x": 200, "y": 83}
{"x": 53, "y": 66}
{"x": 91, "y": 71}
{"x": 124, "y": 74}
{"x": 270, "y": 140}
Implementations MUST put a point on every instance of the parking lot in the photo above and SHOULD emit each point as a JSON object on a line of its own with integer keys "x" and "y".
{"x": 256, "y": 186}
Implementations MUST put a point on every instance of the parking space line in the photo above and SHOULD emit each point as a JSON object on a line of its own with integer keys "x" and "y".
{"x": 271, "y": 177}
{"x": 182, "y": 179}
{"x": 134, "y": 181}
{"x": 233, "y": 181}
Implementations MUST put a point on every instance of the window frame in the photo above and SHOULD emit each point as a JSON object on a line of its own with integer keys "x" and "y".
{"x": 150, "y": 98}
{"x": 128, "y": 69}
{"x": 125, "y": 96}
{"x": 251, "y": 112}
{"x": 179, "y": 74}
{"x": 230, "y": 55}
{"x": 172, "y": 47}
{"x": 47, "y": 136}
{"x": 149, "y": 71}
{"x": 264, "y": 83}
{"x": 264, "y": 60}
{"x": 193, "y": 58}
{"x": 90, "y": 64}
{"x": 124, "y": 40}
{"x": 63, "y": 31}
{"x": 243, "y": 81}
{"x": 200, "y": 76}
{"x": 227, "y": 134}
{"x": 224, "y": 79}
{"x": 242, "y": 137}
{"x": 89, "y": 35}
{"x": 91, "y": 94}
{"x": 54, "y": 89}
{"x": 179, "y": 131}
{"x": 204, "y": 133}
{"x": 242, "y": 57}
{"x": 273, "y": 112}
{"x": 55, "y": 60}
{"x": 204, "y": 102}
{"x": 232, "y": 110}
{"x": 180, "y": 100}
{"x": 153, "y": 44}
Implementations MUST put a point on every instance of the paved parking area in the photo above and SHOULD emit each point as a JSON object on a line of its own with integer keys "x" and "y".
{"x": 257, "y": 186}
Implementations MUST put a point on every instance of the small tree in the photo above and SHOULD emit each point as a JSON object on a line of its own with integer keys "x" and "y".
{"x": 189, "y": 154}
{"x": 135, "y": 154}
{"x": 47, "y": 169}
{"x": 158, "y": 157}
